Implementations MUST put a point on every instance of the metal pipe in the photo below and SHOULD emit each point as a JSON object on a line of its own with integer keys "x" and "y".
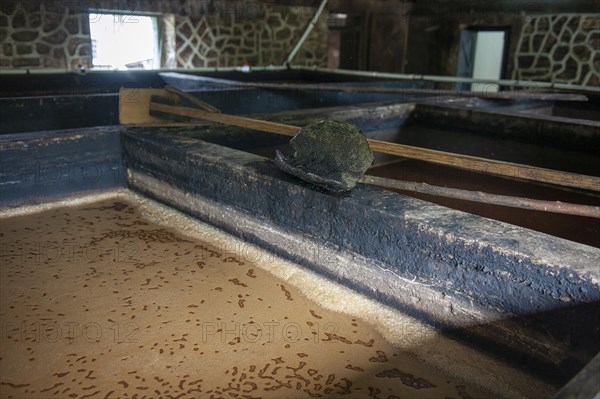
{"x": 502, "y": 95}
{"x": 307, "y": 31}
{"x": 50, "y": 71}
{"x": 451, "y": 79}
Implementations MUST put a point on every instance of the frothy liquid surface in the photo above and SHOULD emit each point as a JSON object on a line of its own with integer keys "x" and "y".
{"x": 97, "y": 302}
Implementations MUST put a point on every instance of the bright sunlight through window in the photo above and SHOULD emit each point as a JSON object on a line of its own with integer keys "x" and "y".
{"x": 124, "y": 41}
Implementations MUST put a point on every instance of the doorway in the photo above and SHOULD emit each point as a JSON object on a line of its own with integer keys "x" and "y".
{"x": 482, "y": 55}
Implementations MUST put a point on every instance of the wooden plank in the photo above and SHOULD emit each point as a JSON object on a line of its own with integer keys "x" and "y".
{"x": 564, "y": 208}
{"x": 489, "y": 166}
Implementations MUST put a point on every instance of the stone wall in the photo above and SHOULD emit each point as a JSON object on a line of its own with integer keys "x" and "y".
{"x": 43, "y": 36}
{"x": 559, "y": 48}
{"x": 55, "y": 34}
{"x": 256, "y": 35}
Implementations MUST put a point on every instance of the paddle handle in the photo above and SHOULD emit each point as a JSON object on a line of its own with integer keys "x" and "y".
{"x": 471, "y": 163}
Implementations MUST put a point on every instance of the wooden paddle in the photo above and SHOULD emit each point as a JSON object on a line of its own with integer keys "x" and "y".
{"x": 136, "y": 107}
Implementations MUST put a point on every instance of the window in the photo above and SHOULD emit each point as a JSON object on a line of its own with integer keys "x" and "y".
{"x": 124, "y": 41}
